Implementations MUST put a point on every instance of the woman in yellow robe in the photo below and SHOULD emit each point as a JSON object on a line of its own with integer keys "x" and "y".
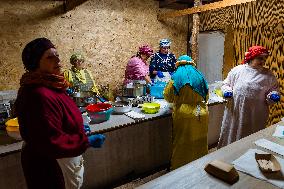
{"x": 187, "y": 91}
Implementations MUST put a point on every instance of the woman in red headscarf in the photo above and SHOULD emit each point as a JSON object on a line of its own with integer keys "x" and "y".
{"x": 137, "y": 67}
{"x": 250, "y": 89}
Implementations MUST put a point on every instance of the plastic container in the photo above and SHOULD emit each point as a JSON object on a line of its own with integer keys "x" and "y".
{"x": 151, "y": 108}
{"x": 120, "y": 107}
{"x": 267, "y": 163}
{"x": 12, "y": 128}
{"x": 157, "y": 89}
{"x": 99, "y": 112}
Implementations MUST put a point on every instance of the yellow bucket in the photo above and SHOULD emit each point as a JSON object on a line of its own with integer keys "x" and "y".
{"x": 12, "y": 128}
{"x": 12, "y": 125}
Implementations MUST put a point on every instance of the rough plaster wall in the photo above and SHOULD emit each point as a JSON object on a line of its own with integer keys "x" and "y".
{"x": 108, "y": 32}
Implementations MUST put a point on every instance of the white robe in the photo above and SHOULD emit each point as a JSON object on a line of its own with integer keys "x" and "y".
{"x": 247, "y": 112}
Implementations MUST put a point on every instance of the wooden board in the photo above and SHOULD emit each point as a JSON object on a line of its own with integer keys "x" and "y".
{"x": 255, "y": 23}
{"x": 207, "y": 7}
{"x": 195, "y": 34}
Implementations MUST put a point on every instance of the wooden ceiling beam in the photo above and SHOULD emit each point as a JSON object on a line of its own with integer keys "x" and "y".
{"x": 165, "y": 3}
{"x": 202, "y": 8}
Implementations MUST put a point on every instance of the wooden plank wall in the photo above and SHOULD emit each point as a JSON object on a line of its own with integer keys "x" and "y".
{"x": 255, "y": 23}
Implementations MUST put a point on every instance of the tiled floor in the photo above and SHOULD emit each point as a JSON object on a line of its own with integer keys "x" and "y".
{"x": 140, "y": 181}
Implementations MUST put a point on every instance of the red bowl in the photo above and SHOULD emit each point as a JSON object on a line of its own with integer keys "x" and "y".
{"x": 99, "y": 107}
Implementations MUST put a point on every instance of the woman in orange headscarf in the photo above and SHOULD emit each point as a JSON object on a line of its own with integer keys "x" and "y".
{"x": 251, "y": 88}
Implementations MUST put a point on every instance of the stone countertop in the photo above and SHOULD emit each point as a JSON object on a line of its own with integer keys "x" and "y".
{"x": 10, "y": 148}
{"x": 118, "y": 121}
{"x": 216, "y": 103}
{"x": 115, "y": 122}
{"x": 215, "y": 100}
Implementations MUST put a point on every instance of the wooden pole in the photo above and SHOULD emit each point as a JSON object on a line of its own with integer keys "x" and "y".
{"x": 195, "y": 33}
{"x": 202, "y": 8}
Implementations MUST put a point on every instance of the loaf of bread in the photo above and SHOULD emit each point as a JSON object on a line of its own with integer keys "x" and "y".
{"x": 223, "y": 171}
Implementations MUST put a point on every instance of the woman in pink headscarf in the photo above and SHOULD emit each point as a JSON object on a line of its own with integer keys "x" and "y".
{"x": 137, "y": 67}
{"x": 250, "y": 89}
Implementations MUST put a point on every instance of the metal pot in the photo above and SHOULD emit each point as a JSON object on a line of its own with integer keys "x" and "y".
{"x": 120, "y": 107}
{"x": 135, "y": 88}
{"x": 4, "y": 114}
{"x": 83, "y": 98}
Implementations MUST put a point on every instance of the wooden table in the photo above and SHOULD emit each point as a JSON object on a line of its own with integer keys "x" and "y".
{"x": 193, "y": 175}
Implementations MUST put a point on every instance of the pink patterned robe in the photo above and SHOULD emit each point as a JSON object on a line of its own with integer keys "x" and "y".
{"x": 136, "y": 69}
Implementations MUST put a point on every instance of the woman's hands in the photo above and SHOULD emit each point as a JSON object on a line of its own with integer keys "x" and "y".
{"x": 69, "y": 91}
{"x": 96, "y": 141}
{"x": 160, "y": 74}
{"x": 273, "y": 97}
{"x": 228, "y": 94}
{"x": 87, "y": 129}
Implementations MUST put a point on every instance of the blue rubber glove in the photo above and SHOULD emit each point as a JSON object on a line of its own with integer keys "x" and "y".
{"x": 275, "y": 97}
{"x": 149, "y": 85}
{"x": 70, "y": 91}
{"x": 97, "y": 140}
{"x": 160, "y": 74}
{"x": 87, "y": 128}
{"x": 228, "y": 94}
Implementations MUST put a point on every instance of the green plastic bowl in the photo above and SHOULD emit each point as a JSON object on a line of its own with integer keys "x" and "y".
{"x": 151, "y": 108}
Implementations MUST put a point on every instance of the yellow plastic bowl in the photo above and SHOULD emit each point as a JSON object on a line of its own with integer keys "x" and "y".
{"x": 151, "y": 108}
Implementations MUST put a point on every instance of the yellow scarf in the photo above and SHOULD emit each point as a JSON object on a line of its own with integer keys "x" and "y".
{"x": 80, "y": 74}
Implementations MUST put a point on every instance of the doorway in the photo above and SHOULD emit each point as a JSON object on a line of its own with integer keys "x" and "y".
{"x": 211, "y": 54}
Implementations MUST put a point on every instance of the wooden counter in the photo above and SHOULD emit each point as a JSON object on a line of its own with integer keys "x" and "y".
{"x": 193, "y": 175}
{"x": 129, "y": 152}
{"x": 131, "y": 148}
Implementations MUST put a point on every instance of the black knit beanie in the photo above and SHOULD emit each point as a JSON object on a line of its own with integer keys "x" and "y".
{"x": 33, "y": 52}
